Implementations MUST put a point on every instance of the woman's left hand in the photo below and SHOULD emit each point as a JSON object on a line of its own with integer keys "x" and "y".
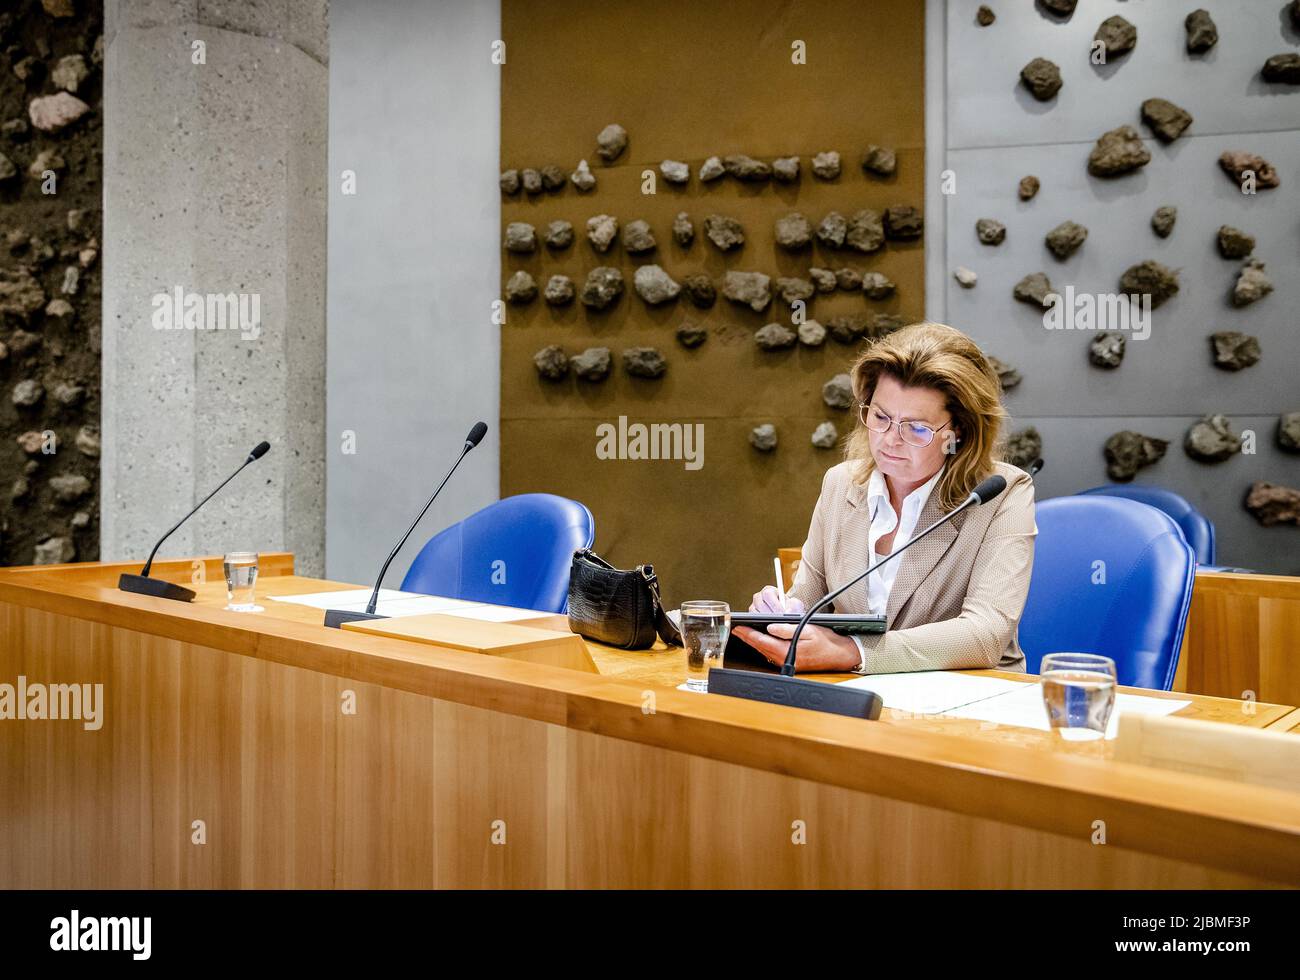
{"x": 820, "y": 649}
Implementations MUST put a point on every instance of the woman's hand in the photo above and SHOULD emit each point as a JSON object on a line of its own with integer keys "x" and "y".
{"x": 820, "y": 649}
{"x": 769, "y": 601}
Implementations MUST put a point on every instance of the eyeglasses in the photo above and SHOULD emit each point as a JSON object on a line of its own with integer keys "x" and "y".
{"x": 916, "y": 434}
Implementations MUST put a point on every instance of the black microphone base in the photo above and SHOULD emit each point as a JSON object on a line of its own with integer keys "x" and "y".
{"x": 795, "y": 692}
{"x": 144, "y": 585}
{"x": 335, "y": 618}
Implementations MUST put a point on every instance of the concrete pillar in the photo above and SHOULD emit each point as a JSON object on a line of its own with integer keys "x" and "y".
{"x": 215, "y": 134}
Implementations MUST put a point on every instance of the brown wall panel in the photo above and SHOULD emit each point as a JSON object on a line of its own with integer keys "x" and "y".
{"x": 688, "y": 81}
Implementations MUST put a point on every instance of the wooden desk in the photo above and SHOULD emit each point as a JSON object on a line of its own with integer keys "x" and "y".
{"x": 327, "y": 758}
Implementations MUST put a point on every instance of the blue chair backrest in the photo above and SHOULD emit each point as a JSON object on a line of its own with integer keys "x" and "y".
{"x": 515, "y": 552}
{"x": 1111, "y": 576}
{"x": 1196, "y": 527}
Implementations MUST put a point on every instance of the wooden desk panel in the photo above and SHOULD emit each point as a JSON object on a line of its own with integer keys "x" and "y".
{"x": 459, "y": 770}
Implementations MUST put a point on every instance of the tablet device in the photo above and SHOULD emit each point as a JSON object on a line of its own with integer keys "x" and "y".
{"x": 739, "y": 655}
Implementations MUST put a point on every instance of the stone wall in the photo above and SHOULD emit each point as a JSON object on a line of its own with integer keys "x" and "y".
{"x": 51, "y": 52}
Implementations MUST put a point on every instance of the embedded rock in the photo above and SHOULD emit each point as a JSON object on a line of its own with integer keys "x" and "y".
{"x": 531, "y": 179}
{"x": 1238, "y": 163}
{"x": 654, "y": 285}
{"x": 87, "y": 441}
{"x": 775, "y": 336}
{"x": 610, "y": 142}
{"x": 848, "y": 279}
{"x": 683, "y": 229}
{"x": 510, "y": 181}
{"x": 1107, "y": 349}
{"x": 1042, "y": 78}
{"x": 1118, "y": 152}
{"x": 1252, "y": 284}
{"x": 644, "y": 362}
{"x": 812, "y": 333}
{"x": 54, "y": 551}
{"x": 1235, "y": 243}
{"x": 1118, "y": 35}
{"x": 1033, "y": 289}
{"x": 1007, "y": 375}
{"x": 866, "y": 231}
{"x": 984, "y": 16}
{"x": 1028, "y": 187}
{"x": 1234, "y": 350}
{"x": 847, "y": 328}
{"x": 638, "y": 238}
{"x": 1064, "y": 240}
{"x": 21, "y": 295}
{"x": 1162, "y": 221}
{"x": 1023, "y": 447}
{"x": 877, "y": 285}
{"x": 1288, "y": 432}
{"x": 746, "y": 168}
{"x": 712, "y": 169}
{"x": 551, "y": 362}
{"x": 604, "y": 286}
{"x": 582, "y": 178}
{"x": 752, "y": 289}
{"x": 1211, "y": 440}
{"x": 700, "y": 291}
{"x": 880, "y": 160}
{"x": 965, "y": 277}
{"x": 1283, "y": 69}
{"x": 559, "y": 234}
{"x": 1150, "y": 278}
{"x": 1129, "y": 451}
{"x": 1061, "y": 8}
{"x": 559, "y": 290}
{"x": 1166, "y": 120}
{"x": 823, "y": 280}
{"x": 7, "y": 169}
{"x": 601, "y": 231}
{"x": 726, "y": 233}
{"x": 46, "y": 160}
{"x": 832, "y": 230}
{"x": 675, "y": 172}
{"x": 826, "y": 166}
{"x": 1271, "y": 504}
{"x": 785, "y": 169}
{"x": 763, "y": 437}
{"x": 521, "y": 288}
{"x": 69, "y": 394}
{"x": 838, "y": 391}
{"x": 902, "y": 222}
{"x": 521, "y": 238}
{"x": 793, "y": 231}
{"x": 593, "y": 364}
{"x": 791, "y": 289}
{"x": 692, "y": 335}
{"x": 552, "y": 179}
{"x": 69, "y": 489}
{"x": 825, "y": 436}
{"x": 1201, "y": 32}
{"x": 52, "y": 113}
{"x": 990, "y": 232}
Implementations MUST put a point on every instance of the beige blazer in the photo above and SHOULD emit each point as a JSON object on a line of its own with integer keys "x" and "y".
{"x": 959, "y": 593}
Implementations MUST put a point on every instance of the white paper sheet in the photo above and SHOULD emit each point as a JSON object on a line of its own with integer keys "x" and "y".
{"x": 1024, "y": 708}
{"x": 396, "y": 604}
{"x": 932, "y": 692}
{"x": 498, "y": 614}
{"x": 343, "y": 598}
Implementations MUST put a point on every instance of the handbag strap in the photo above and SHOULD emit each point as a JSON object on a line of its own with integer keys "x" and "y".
{"x": 665, "y": 627}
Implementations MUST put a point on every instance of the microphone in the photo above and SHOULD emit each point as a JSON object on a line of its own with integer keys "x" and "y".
{"x": 335, "y": 618}
{"x": 1035, "y": 466}
{"x": 817, "y": 695}
{"x": 142, "y": 584}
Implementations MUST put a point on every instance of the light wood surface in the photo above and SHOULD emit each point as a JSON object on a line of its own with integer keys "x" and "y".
{"x": 1235, "y": 753}
{"x": 514, "y": 641}
{"x": 455, "y": 769}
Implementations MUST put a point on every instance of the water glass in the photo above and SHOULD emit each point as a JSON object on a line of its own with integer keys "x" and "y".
{"x": 1079, "y": 694}
{"x": 706, "y": 625}
{"x": 241, "y": 581}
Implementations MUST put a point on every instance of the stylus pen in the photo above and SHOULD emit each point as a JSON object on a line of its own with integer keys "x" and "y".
{"x": 780, "y": 580}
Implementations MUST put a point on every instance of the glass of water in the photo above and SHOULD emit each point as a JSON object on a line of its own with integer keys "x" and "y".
{"x": 706, "y": 624}
{"x": 1079, "y": 694}
{"x": 241, "y": 581}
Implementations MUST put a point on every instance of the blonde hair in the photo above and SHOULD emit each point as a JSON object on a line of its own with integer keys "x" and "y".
{"x": 937, "y": 356}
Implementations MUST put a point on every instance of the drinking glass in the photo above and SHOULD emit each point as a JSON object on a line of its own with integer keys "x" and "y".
{"x": 241, "y": 581}
{"x": 706, "y": 624}
{"x": 1079, "y": 694}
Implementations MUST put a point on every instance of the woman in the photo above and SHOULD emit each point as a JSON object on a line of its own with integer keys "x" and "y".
{"x": 929, "y": 422}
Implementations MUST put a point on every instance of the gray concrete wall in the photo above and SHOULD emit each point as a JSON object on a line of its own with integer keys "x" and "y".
{"x": 414, "y": 266}
{"x": 214, "y": 181}
{"x": 990, "y": 132}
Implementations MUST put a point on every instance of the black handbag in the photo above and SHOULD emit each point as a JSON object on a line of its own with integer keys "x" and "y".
{"x": 616, "y": 607}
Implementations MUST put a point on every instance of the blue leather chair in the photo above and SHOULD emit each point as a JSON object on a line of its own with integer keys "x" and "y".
{"x": 1131, "y": 609}
{"x": 1196, "y": 527}
{"x": 515, "y": 552}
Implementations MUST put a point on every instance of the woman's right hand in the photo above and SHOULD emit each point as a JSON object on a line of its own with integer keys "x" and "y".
{"x": 769, "y": 601}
